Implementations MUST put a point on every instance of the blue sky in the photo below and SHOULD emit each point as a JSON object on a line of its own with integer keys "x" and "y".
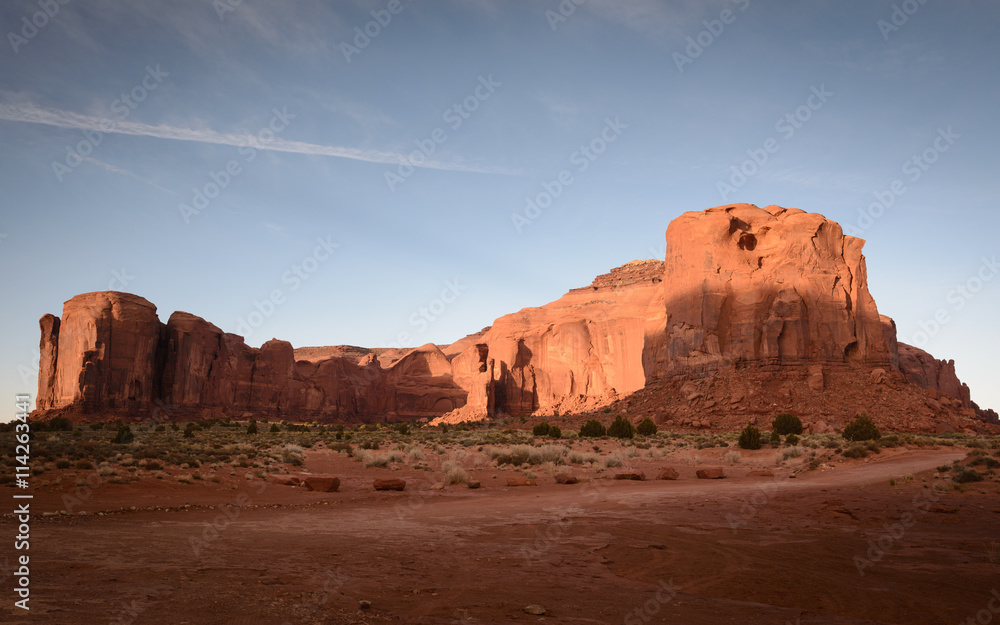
{"x": 210, "y": 155}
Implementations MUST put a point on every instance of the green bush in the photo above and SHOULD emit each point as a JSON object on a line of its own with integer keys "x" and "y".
{"x": 775, "y": 438}
{"x": 646, "y": 427}
{"x": 787, "y": 424}
{"x": 96, "y": 426}
{"x": 252, "y": 428}
{"x": 555, "y": 432}
{"x": 160, "y": 428}
{"x": 274, "y": 428}
{"x": 403, "y": 429}
{"x": 592, "y": 429}
{"x": 83, "y": 463}
{"x": 749, "y": 437}
{"x": 621, "y": 428}
{"x": 62, "y": 464}
{"x": 792, "y": 439}
{"x": 968, "y": 475}
{"x": 189, "y": 430}
{"x": 124, "y": 436}
{"x": 541, "y": 429}
{"x": 862, "y": 429}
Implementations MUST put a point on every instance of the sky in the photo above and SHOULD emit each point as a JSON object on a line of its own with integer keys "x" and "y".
{"x": 398, "y": 172}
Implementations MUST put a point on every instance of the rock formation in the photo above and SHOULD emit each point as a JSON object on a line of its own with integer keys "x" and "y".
{"x": 753, "y": 311}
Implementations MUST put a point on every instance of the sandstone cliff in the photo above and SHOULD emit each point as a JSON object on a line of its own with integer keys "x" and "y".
{"x": 753, "y": 311}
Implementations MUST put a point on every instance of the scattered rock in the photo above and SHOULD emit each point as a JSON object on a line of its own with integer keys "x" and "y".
{"x": 389, "y": 484}
{"x": 437, "y": 486}
{"x": 474, "y": 485}
{"x": 566, "y": 478}
{"x": 520, "y": 481}
{"x": 878, "y": 376}
{"x": 710, "y": 473}
{"x": 535, "y": 609}
{"x": 364, "y": 604}
{"x": 638, "y": 477}
{"x": 322, "y": 483}
{"x": 668, "y": 473}
{"x": 285, "y": 480}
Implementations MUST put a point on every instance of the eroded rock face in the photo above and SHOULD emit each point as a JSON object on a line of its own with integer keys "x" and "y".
{"x": 772, "y": 286}
{"x": 753, "y": 310}
{"x": 102, "y": 353}
{"x": 936, "y": 375}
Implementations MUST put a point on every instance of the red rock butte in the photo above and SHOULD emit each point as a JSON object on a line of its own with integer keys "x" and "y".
{"x": 754, "y": 311}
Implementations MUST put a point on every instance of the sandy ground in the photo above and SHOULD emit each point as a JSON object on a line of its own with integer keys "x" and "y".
{"x": 738, "y": 550}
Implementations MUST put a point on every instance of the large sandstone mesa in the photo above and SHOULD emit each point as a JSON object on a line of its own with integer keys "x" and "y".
{"x": 772, "y": 286}
{"x": 753, "y": 311}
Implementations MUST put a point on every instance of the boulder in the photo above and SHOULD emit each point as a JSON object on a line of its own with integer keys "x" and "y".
{"x": 566, "y": 478}
{"x": 389, "y": 484}
{"x": 285, "y": 480}
{"x": 638, "y": 477}
{"x": 710, "y": 473}
{"x": 323, "y": 483}
{"x": 520, "y": 481}
{"x": 668, "y": 473}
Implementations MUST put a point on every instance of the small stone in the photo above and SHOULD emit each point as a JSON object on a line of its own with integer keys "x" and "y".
{"x": 474, "y": 485}
{"x": 534, "y": 609}
{"x": 364, "y": 604}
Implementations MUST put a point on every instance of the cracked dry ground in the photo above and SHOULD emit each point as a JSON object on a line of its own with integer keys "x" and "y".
{"x": 588, "y": 553}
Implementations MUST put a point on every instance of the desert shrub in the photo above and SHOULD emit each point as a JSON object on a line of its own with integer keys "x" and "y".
{"x": 989, "y": 463}
{"x": 855, "y": 451}
{"x": 862, "y": 429}
{"x": 83, "y": 463}
{"x": 791, "y": 452}
{"x": 60, "y": 424}
{"x": 732, "y": 457}
{"x": 749, "y": 437}
{"x": 160, "y": 428}
{"x": 189, "y": 430}
{"x": 403, "y": 429}
{"x": 124, "y": 436}
{"x": 395, "y": 456}
{"x": 96, "y": 426}
{"x": 787, "y": 424}
{"x": 577, "y": 457}
{"x": 454, "y": 471}
{"x": 614, "y": 460}
{"x": 62, "y": 464}
{"x": 555, "y": 432}
{"x": 621, "y": 428}
{"x": 154, "y": 465}
{"x": 774, "y": 438}
{"x": 415, "y": 454}
{"x": 541, "y": 429}
{"x": 274, "y": 429}
{"x": 252, "y": 428}
{"x": 646, "y": 427}
{"x": 592, "y": 429}
{"x": 968, "y": 475}
{"x": 792, "y": 439}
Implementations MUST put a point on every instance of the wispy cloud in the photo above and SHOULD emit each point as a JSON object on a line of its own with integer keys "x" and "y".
{"x": 118, "y": 170}
{"x": 29, "y": 113}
